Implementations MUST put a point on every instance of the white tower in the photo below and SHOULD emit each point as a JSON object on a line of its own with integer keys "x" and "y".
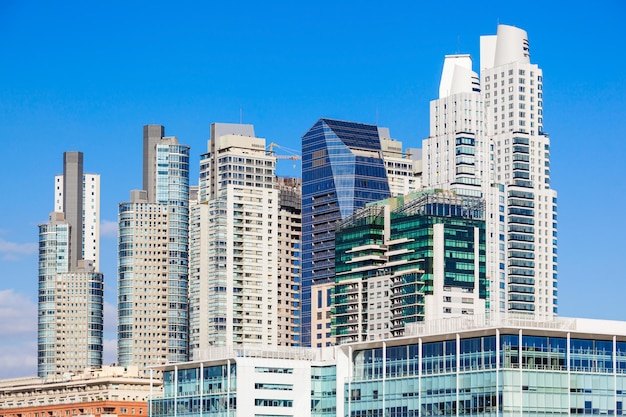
{"x": 491, "y": 144}
{"x": 234, "y": 243}
{"x": 513, "y": 97}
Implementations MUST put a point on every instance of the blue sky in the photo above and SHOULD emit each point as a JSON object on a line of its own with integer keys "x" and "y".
{"x": 87, "y": 76}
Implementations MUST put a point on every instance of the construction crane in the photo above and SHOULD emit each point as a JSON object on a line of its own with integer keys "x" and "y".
{"x": 294, "y": 155}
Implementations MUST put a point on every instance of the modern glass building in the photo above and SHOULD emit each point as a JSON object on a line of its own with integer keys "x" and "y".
{"x": 249, "y": 381}
{"x": 153, "y": 253}
{"x": 471, "y": 366}
{"x": 342, "y": 170}
{"x": 408, "y": 259}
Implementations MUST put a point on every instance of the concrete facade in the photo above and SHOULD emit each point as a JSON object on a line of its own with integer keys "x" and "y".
{"x": 71, "y": 290}
{"x": 153, "y": 251}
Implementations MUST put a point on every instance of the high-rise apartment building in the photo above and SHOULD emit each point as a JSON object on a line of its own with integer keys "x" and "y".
{"x": 404, "y": 168}
{"x": 345, "y": 165}
{"x": 513, "y": 96}
{"x": 70, "y": 309}
{"x": 234, "y": 243}
{"x": 91, "y": 214}
{"x": 153, "y": 253}
{"x": 455, "y": 151}
{"x": 289, "y": 260}
{"x": 405, "y": 260}
{"x": 489, "y": 142}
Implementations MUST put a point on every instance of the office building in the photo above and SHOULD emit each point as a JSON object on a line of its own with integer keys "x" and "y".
{"x": 480, "y": 366}
{"x": 405, "y": 260}
{"x": 250, "y": 381}
{"x": 234, "y": 243}
{"x": 153, "y": 253}
{"x": 343, "y": 168}
{"x": 489, "y": 142}
{"x": 70, "y": 308}
{"x": 107, "y": 391}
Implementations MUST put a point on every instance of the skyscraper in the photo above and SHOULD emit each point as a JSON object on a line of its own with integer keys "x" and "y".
{"x": 289, "y": 260}
{"x": 70, "y": 310}
{"x": 153, "y": 254}
{"x": 342, "y": 170}
{"x": 234, "y": 243}
{"x": 455, "y": 150}
{"x": 513, "y": 96}
{"x": 90, "y": 214}
{"x": 491, "y": 143}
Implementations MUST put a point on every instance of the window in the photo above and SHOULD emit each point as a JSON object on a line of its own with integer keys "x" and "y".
{"x": 266, "y": 370}
{"x": 355, "y": 395}
{"x": 272, "y": 402}
{"x": 275, "y": 387}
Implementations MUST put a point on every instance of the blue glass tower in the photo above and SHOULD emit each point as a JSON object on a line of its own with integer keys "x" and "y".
{"x": 342, "y": 170}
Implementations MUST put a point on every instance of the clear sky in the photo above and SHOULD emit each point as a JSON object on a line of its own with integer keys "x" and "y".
{"x": 87, "y": 76}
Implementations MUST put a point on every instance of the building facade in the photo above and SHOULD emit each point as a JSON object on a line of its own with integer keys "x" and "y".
{"x": 90, "y": 214}
{"x": 108, "y": 391}
{"x": 342, "y": 170}
{"x": 404, "y": 168}
{"x": 489, "y": 142}
{"x": 513, "y": 97}
{"x": 405, "y": 260}
{"x": 71, "y": 291}
{"x": 289, "y": 260}
{"x": 250, "y": 381}
{"x": 153, "y": 252}
{"x": 474, "y": 366}
{"x": 234, "y": 242}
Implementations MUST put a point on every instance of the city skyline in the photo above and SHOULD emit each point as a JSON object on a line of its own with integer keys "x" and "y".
{"x": 101, "y": 114}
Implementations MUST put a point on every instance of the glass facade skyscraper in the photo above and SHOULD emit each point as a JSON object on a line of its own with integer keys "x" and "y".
{"x": 342, "y": 170}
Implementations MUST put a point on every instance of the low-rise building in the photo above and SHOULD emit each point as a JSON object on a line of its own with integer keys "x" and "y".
{"x": 107, "y": 392}
{"x": 470, "y": 365}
